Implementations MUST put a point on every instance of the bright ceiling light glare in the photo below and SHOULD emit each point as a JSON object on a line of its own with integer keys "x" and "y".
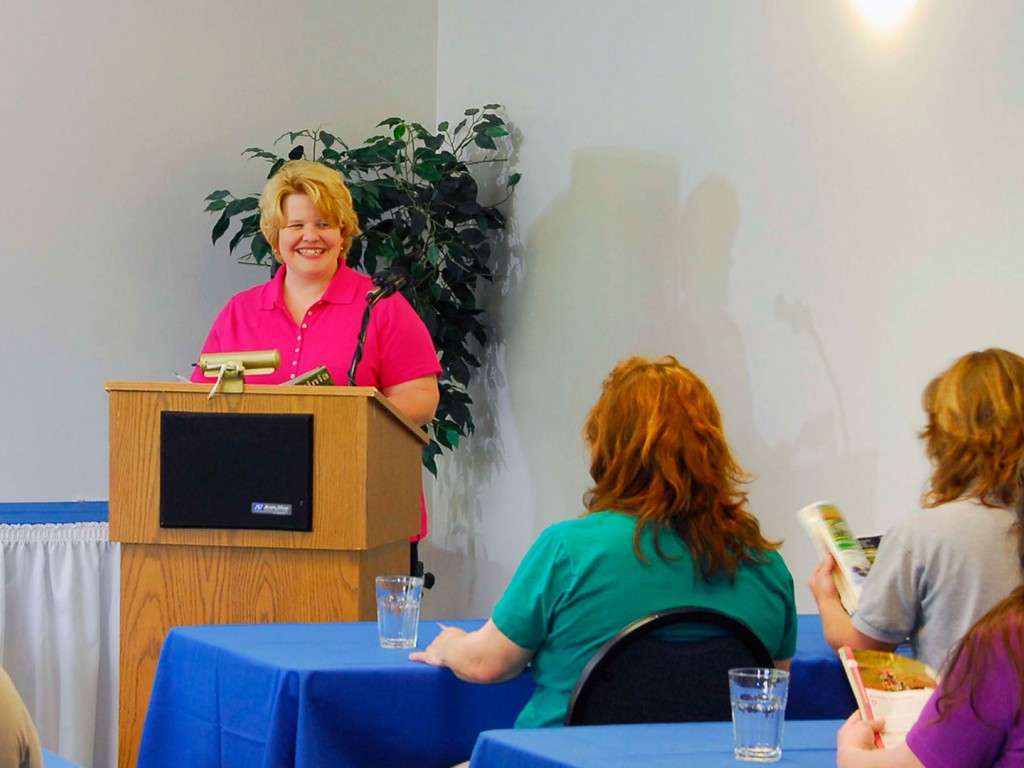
{"x": 884, "y": 15}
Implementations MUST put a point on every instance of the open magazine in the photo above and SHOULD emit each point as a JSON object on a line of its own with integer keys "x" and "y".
{"x": 889, "y": 687}
{"x": 829, "y": 531}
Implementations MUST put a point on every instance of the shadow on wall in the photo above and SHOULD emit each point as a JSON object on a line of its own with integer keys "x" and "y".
{"x": 822, "y": 460}
{"x": 619, "y": 265}
{"x": 790, "y": 474}
{"x": 585, "y": 301}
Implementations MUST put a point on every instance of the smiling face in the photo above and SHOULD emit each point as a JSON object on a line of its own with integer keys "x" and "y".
{"x": 308, "y": 245}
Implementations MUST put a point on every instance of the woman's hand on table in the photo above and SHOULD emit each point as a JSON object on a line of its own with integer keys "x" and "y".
{"x": 483, "y": 656}
{"x": 434, "y": 654}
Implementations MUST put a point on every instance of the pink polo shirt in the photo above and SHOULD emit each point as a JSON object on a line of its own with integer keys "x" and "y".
{"x": 398, "y": 346}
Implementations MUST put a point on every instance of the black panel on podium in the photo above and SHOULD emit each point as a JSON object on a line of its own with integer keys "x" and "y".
{"x": 236, "y": 470}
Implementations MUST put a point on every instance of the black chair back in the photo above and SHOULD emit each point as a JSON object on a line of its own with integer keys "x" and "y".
{"x": 638, "y": 678}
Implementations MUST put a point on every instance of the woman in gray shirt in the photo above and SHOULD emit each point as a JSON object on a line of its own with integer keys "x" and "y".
{"x": 943, "y": 567}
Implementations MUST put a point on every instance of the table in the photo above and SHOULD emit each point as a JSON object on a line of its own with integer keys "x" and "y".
{"x": 818, "y": 688}
{"x": 59, "y": 590}
{"x": 51, "y": 760}
{"x": 284, "y": 695}
{"x": 810, "y": 743}
{"x": 313, "y": 694}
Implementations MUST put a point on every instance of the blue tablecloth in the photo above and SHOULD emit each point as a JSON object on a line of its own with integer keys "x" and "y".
{"x": 51, "y": 760}
{"x": 283, "y": 695}
{"x": 810, "y": 743}
{"x": 818, "y": 688}
{"x": 313, "y": 695}
{"x": 38, "y": 513}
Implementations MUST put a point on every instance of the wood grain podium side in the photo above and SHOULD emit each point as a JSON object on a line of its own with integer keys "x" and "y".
{"x": 366, "y": 505}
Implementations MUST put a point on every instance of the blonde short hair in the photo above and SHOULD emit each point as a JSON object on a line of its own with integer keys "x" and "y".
{"x": 324, "y": 186}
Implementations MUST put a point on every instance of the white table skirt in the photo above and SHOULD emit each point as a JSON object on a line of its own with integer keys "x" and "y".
{"x": 59, "y": 616}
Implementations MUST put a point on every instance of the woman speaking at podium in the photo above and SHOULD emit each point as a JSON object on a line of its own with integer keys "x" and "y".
{"x": 312, "y": 309}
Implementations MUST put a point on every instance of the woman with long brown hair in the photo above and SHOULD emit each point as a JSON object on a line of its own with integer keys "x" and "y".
{"x": 976, "y": 716}
{"x": 941, "y": 568}
{"x": 666, "y": 525}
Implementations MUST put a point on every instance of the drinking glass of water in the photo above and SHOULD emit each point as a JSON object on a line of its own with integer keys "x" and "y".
{"x": 758, "y": 710}
{"x": 398, "y": 610}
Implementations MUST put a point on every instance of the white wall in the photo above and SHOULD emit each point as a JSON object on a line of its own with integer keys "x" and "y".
{"x": 119, "y": 117}
{"x": 814, "y": 217}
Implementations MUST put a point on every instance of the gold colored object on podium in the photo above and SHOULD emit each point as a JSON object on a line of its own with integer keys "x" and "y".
{"x": 229, "y": 368}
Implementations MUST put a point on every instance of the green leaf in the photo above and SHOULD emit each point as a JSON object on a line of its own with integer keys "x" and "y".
{"x": 260, "y": 248}
{"x": 427, "y": 172}
{"x": 484, "y": 141}
{"x": 399, "y": 132}
{"x": 390, "y": 122}
{"x": 297, "y": 152}
{"x": 218, "y": 195}
{"x": 241, "y": 205}
{"x": 220, "y": 227}
{"x": 492, "y": 106}
{"x": 326, "y": 139}
{"x": 216, "y": 205}
{"x": 514, "y": 179}
{"x": 430, "y": 453}
{"x": 236, "y": 240}
{"x": 443, "y": 126}
{"x": 471, "y": 112}
{"x": 433, "y": 254}
{"x": 495, "y": 130}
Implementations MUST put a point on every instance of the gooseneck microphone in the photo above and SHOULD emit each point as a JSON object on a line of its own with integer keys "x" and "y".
{"x": 385, "y": 284}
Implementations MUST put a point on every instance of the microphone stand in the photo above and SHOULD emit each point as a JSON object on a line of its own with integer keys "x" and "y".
{"x": 385, "y": 284}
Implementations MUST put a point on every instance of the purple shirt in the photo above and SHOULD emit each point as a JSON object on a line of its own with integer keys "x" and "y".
{"x": 963, "y": 739}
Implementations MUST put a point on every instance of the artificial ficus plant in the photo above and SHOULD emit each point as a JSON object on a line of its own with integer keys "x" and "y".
{"x": 419, "y": 208}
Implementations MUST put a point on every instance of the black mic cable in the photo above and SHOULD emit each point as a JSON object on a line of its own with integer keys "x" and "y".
{"x": 385, "y": 283}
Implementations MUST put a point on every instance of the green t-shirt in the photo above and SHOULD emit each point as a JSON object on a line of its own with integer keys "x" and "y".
{"x": 581, "y": 582}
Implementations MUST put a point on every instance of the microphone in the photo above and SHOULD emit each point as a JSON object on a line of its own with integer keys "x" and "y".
{"x": 386, "y": 283}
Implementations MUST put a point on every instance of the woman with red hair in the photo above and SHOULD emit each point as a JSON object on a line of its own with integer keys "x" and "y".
{"x": 666, "y": 525}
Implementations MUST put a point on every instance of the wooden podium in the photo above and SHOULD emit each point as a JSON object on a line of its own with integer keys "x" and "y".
{"x": 365, "y": 506}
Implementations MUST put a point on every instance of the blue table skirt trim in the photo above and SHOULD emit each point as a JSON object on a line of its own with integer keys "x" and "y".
{"x": 40, "y": 512}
